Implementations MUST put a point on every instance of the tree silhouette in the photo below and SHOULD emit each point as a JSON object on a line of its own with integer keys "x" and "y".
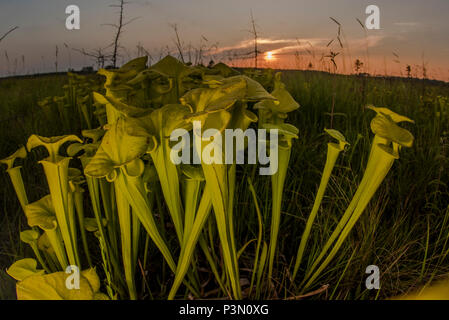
{"x": 358, "y": 65}
{"x": 408, "y": 69}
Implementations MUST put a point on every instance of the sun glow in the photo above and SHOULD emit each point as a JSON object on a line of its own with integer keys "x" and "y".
{"x": 269, "y": 56}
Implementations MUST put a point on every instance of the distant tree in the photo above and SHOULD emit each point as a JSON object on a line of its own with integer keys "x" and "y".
{"x": 256, "y": 37}
{"x": 358, "y": 65}
{"x": 408, "y": 69}
{"x": 178, "y": 42}
{"x": 255, "y": 53}
{"x": 98, "y": 54}
{"x": 119, "y": 30}
{"x": 103, "y": 55}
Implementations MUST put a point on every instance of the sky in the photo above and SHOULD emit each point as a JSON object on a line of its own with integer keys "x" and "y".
{"x": 292, "y": 34}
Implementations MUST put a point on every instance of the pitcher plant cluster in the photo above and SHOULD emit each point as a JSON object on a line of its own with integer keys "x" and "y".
{"x": 166, "y": 144}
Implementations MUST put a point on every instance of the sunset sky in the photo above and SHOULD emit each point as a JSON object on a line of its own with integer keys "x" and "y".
{"x": 293, "y": 33}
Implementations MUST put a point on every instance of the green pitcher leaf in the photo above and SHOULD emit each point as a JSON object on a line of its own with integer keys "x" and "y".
{"x": 94, "y": 134}
{"x": 342, "y": 143}
{"x": 117, "y": 149}
{"x": 177, "y": 75}
{"x": 43, "y": 243}
{"x": 135, "y": 64}
{"x": 161, "y": 122}
{"x": 114, "y": 78}
{"x": 217, "y": 120}
{"x": 91, "y": 225}
{"x": 41, "y": 214}
{"x": 214, "y": 99}
{"x": 213, "y": 80}
{"x": 89, "y": 151}
{"x": 285, "y": 129}
{"x": 336, "y": 135}
{"x": 53, "y": 287}
{"x": 92, "y": 277}
{"x": 386, "y": 128}
{"x": 276, "y": 111}
{"x": 9, "y": 161}
{"x": 224, "y": 70}
{"x": 242, "y": 117}
{"x": 171, "y": 67}
{"x": 127, "y": 110}
{"x": 393, "y": 115}
{"x": 193, "y": 172}
{"x": 22, "y": 269}
{"x": 52, "y": 144}
{"x": 146, "y": 74}
{"x": 29, "y": 236}
{"x": 286, "y": 101}
{"x": 254, "y": 91}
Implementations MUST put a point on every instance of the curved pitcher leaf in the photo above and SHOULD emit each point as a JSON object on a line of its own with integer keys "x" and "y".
{"x": 386, "y": 128}
{"x": 242, "y": 117}
{"x": 217, "y": 120}
{"x": 286, "y": 131}
{"x": 161, "y": 122}
{"x": 91, "y": 224}
{"x": 333, "y": 152}
{"x": 144, "y": 75}
{"x": 53, "y": 287}
{"x": 342, "y": 143}
{"x": 393, "y": 115}
{"x": 135, "y": 64}
{"x": 118, "y": 148}
{"x": 286, "y": 102}
{"x": 115, "y": 78}
{"x": 94, "y": 134}
{"x": 52, "y": 144}
{"x": 211, "y": 105}
{"x": 89, "y": 149}
{"x": 22, "y": 269}
{"x": 192, "y": 172}
{"x": 29, "y": 236}
{"x": 223, "y": 97}
{"x": 212, "y": 80}
{"x": 41, "y": 213}
{"x": 276, "y": 111}
{"x": 21, "y": 153}
{"x": 176, "y": 73}
{"x": 224, "y": 70}
{"x": 254, "y": 91}
{"x": 214, "y": 99}
{"x": 43, "y": 243}
{"x": 123, "y": 108}
{"x": 171, "y": 67}
{"x": 15, "y": 175}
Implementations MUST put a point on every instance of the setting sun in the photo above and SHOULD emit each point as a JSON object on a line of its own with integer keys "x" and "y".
{"x": 269, "y": 56}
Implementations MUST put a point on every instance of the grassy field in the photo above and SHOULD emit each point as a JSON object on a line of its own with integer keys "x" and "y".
{"x": 404, "y": 230}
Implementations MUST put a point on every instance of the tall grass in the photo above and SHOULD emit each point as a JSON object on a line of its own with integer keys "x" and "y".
{"x": 403, "y": 231}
